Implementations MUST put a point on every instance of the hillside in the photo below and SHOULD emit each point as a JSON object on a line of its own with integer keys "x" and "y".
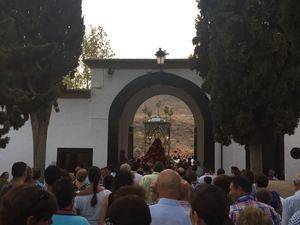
{"x": 182, "y": 129}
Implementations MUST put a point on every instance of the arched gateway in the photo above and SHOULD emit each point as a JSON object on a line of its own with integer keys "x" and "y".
{"x": 93, "y": 126}
{"x": 133, "y": 82}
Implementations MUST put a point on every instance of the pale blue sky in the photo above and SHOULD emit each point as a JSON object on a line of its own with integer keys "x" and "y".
{"x": 136, "y": 28}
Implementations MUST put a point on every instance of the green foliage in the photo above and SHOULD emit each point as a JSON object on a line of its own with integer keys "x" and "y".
{"x": 245, "y": 58}
{"x": 95, "y": 45}
{"x": 40, "y": 42}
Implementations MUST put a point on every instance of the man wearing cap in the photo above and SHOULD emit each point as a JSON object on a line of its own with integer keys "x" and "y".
{"x": 291, "y": 204}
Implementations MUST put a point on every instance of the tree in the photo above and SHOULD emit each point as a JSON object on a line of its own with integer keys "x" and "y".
{"x": 243, "y": 54}
{"x": 95, "y": 45}
{"x": 46, "y": 46}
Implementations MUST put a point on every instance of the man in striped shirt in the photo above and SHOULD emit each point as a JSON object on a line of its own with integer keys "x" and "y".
{"x": 241, "y": 189}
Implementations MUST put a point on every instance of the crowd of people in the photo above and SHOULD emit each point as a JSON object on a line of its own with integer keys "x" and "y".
{"x": 143, "y": 194}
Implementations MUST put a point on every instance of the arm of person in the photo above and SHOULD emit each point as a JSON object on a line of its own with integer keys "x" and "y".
{"x": 285, "y": 212}
{"x": 103, "y": 211}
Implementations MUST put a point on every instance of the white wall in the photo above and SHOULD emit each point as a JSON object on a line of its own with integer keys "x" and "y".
{"x": 292, "y": 166}
{"x": 234, "y": 155}
{"x": 68, "y": 128}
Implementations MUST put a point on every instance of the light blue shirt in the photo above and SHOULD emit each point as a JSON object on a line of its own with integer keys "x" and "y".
{"x": 169, "y": 212}
{"x": 290, "y": 206}
{"x": 69, "y": 220}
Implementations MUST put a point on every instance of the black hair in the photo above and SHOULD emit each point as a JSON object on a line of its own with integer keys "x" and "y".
{"x": 108, "y": 182}
{"x": 208, "y": 180}
{"x": 123, "y": 178}
{"x": 52, "y": 174}
{"x": 223, "y": 182}
{"x": 243, "y": 183}
{"x": 261, "y": 180}
{"x": 36, "y": 174}
{"x": 94, "y": 177}
{"x": 18, "y": 169}
{"x": 220, "y": 171}
{"x": 211, "y": 204}
{"x": 135, "y": 166}
{"x": 264, "y": 196}
{"x": 64, "y": 192}
{"x": 3, "y": 174}
{"x": 158, "y": 167}
{"x": 146, "y": 168}
{"x": 129, "y": 210}
{"x": 249, "y": 175}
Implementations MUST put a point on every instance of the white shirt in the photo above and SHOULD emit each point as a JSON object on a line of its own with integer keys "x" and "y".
{"x": 137, "y": 177}
{"x": 201, "y": 179}
{"x": 83, "y": 204}
{"x": 290, "y": 206}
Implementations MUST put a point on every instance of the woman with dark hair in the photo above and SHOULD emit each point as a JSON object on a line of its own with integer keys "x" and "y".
{"x": 3, "y": 179}
{"x": 27, "y": 205}
{"x": 129, "y": 210}
{"x": 89, "y": 202}
{"x": 122, "y": 178}
{"x": 210, "y": 206}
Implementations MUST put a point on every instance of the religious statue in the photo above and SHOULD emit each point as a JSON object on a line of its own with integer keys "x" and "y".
{"x": 156, "y": 153}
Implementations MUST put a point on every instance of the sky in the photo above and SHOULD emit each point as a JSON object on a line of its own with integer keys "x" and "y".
{"x": 137, "y": 28}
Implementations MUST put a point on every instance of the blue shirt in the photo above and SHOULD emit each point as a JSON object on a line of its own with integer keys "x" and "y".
{"x": 290, "y": 206}
{"x": 169, "y": 212}
{"x": 68, "y": 219}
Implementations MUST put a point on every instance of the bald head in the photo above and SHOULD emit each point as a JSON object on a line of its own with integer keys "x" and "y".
{"x": 169, "y": 184}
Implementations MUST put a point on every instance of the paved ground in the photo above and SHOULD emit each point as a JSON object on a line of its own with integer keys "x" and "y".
{"x": 284, "y": 188}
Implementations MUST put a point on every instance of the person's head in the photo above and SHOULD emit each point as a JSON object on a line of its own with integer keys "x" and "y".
{"x": 181, "y": 171}
{"x": 220, "y": 171}
{"x": 253, "y": 216}
{"x": 28, "y": 179}
{"x": 169, "y": 184}
{"x": 77, "y": 168}
{"x": 208, "y": 180}
{"x": 122, "y": 178}
{"x": 5, "y": 175}
{"x": 261, "y": 181}
{"x": 249, "y": 175}
{"x": 27, "y": 205}
{"x": 81, "y": 175}
{"x": 94, "y": 178}
{"x": 297, "y": 182}
{"x": 135, "y": 166}
{"x": 223, "y": 182}
{"x": 129, "y": 210}
{"x": 185, "y": 191}
{"x": 190, "y": 176}
{"x": 130, "y": 190}
{"x": 108, "y": 182}
{"x": 19, "y": 171}
{"x": 271, "y": 173}
{"x": 235, "y": 171}
{"x": 264, "y": 196}
{"x": 125, "y": 166}
{"x": 146, "y": 169}
{"x": 158, "y": 167}
{"x": 209, "y": 206}
{"x": 240, "y": 186}
{"x": 52, "y": 174}
{"x": 64, "y": 192}
{"x": 36, "y": 174}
